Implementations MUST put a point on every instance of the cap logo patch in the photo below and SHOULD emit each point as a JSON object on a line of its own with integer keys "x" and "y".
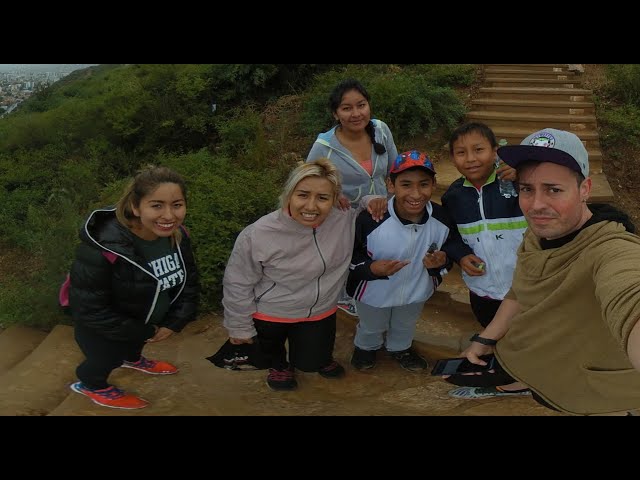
{"x": 543, "y": 139}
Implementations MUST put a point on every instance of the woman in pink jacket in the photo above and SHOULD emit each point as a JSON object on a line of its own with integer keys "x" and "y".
{"x": 286, "y": 272}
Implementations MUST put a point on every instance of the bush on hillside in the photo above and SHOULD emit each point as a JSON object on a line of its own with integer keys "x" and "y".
{"x": 618, "y": 102}
{"x": 242, "y": 138}
{"x": 624, "y": 82}
{"x": 621, "y": 126}
{"x": 447, "y": 75}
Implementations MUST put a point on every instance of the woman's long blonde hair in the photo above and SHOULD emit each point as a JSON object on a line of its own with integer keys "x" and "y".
{"x": 145, "y": 182}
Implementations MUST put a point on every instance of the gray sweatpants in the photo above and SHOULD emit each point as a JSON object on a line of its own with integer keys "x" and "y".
{"x": 399, "y": 323}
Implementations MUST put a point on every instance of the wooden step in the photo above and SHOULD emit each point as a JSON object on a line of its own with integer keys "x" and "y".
{"x": 525, "y": 73}
{"x": 530, "y": 82}
{"x": 38, "y": 384}
{"x": 515, "y": 105}
{"x": 534, "y": 67}
{"x": 601, "y": 190}
{"x": 536, "y": 93}
{"x": 534, "y": 121}
{"x": 16, "y": 343}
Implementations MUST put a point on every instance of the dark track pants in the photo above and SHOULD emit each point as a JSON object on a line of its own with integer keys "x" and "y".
{"x": 310, "y": 343}
{"x": 484, "y": 309}
{"x": 102, "y": 356}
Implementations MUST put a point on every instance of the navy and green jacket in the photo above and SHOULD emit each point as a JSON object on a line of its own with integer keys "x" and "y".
{"x": 493, "y": 226}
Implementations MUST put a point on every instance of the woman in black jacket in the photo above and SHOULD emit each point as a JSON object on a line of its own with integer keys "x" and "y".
{"x": 134, "y": 281}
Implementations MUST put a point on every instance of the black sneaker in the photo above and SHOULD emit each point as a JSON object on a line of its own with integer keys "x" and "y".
{"x": 281, "y": 380}
{"x": 363, "y": 359}
{"x": 410, "y": 360}
{"x": 333, "y": 370}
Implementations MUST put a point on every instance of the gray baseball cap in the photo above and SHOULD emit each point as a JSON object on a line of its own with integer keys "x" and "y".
{"x": 549, "y": 145}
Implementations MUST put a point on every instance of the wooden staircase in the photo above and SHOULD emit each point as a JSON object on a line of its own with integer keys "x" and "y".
{"x": 518, "y": 99}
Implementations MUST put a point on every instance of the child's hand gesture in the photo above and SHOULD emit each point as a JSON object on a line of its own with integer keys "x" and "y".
{"x": 387, "y": 268}
{"x": 435, "y": 259}
{"x": 473, "y": 266}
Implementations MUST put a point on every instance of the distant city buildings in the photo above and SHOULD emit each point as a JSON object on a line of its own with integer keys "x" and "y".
{"x": 21, "y": 82}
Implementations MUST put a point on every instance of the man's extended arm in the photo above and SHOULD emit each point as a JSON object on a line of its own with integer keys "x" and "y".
{"x": 496, "y": 330}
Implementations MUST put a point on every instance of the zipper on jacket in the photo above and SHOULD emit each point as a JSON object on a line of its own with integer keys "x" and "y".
{"x": 413, "y": 234}
{"x": 265, "y": 292}
{"x": 324, "y": 269}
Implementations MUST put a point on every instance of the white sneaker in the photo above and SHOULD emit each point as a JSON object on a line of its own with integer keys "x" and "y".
{"x": 348, "y": 306}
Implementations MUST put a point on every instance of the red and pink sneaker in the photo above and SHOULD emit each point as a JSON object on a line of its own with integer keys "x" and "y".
{"x": 111, "y": 397}
{"x": 152, "y": 367}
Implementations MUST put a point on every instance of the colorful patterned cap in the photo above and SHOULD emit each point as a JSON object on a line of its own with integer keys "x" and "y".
{"x": 412, "y": 159}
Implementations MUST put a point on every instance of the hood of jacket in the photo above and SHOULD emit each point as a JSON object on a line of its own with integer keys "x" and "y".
{"x": 603, "y": 212}
{"x": 102, "y": 229}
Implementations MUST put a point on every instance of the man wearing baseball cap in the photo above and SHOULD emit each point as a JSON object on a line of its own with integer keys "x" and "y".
{"x": 568, "y": 327}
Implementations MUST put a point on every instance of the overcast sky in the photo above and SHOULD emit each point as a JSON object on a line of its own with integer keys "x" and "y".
{"x": 52, "y": 67}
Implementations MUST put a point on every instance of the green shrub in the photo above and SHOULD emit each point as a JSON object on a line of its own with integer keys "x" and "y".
{"x": 32, "y": 302}
{"x": 624, "y": 82}
{"x": 620, "y": 125}
{"x": 446, "y": 75}
{"x": 414, "y": 106}
{"x": 242, "y": 138}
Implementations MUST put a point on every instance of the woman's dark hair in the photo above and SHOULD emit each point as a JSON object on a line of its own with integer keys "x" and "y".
{"x": 335, "y": 99}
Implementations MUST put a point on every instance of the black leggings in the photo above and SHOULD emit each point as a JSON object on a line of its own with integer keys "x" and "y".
{"x": 310, "y": 343}
{"x": 484, "y": 309}
{"x": 102, "y": 356}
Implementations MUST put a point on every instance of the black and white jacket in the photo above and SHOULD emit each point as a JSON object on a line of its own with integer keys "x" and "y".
{"x": 397, "y": 239}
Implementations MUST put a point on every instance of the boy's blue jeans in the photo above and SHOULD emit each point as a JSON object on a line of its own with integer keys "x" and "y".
{"x": 399, "y": 324}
